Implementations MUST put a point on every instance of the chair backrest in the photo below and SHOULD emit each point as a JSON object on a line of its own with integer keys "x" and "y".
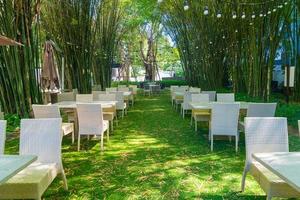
{"x": 180, "y": 89}
{"x": 119, "y": 96}
{"x": 84, "y": 98}
{"x": 112, "y": 89}
{"x": 45, "y": 111}
{"x": 187, "y": 97}
{"x": 96, "y": 88}
{"x": 66, "y": 96}
{"x": 212, "y": 95}
{"x": 122, "y": 86}
{"x": 224, "y": 118}
{"x": 42, "y": 137}
{"x": 123, "y": 89}
{"x": 172, "y": 87}
{"x": 261, "y": 110}
{"x": 2, "y": 136}
{"x": 225, "y": 97}
{"x": 90, "y": 119}
{"x": 1, "y": 115}
{"x": 265, "y": 135}
{"x": 184, "y": 87}
{"x": 96, "y": 94}
{"x": 133, "y": 88}
{"x": 107, "y": 97}
{"x": 195, "y": 90}
{"x": 200, "y": 98}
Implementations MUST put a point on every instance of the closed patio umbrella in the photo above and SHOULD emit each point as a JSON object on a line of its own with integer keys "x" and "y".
{"x": 4, "y": 41}
{"x": 50, "y": 76}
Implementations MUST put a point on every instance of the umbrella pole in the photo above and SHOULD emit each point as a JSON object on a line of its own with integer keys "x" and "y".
{"x": 63, "y": 74}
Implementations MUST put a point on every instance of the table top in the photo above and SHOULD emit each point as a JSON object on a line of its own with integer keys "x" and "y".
{"x": 286, "y": 165}
{"x": 10, "y": 165}
{"x": 73, "y": 104}
{"x": 208, "y": 105}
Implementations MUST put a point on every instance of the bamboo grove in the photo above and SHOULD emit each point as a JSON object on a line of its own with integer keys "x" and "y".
{"x": 19, "y": 86}
{"x": 218, "y": 49}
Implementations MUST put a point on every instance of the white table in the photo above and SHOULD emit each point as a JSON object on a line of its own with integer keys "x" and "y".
{"x": 286, "y": 165}
{"x": 208, "y": 105}
{"x": 73, "y": 104}
{"x": 10, "y": 165}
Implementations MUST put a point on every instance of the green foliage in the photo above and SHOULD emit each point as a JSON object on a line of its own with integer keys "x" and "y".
{"x": 13, "y": 122}
{"x": 18, "y": 65}
{"x": 168, "y": 83}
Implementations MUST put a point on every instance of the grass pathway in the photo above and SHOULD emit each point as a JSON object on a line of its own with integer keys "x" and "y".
{"x": 153, "y": 154}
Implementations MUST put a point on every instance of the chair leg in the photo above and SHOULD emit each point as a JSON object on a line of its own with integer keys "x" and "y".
{"x": 244, "y": 179}
{"x": 212, "y": 143}
{"x": 183, "y": 113}
{"x": 107, "y": 132}
{"x": 101, "y": 142}
{"x": 196, "y": 125}
{"x": 191, "y": 120}
{"x": 236, "y": 143}
{"x": 269, "y": 195}
{"x": 112, "y": 125}
{"x": 78, "y": 143}
{"x": 73, "y": 136}
{"x": 64, "y": 179}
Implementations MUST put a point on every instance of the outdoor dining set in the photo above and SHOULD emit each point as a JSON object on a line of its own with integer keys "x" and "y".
{"x": 268, "y": 158}
{"x": 29, "y": 174}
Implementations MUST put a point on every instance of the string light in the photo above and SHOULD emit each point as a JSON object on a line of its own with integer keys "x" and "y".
{"x": 243, "y": 15}
{"x": 186, "y": 5}
{"x": 206, "y": 12}
{"x": 253, "y": 16}
{"x": 219, "y": 15}
{"x": 234, "y": 16}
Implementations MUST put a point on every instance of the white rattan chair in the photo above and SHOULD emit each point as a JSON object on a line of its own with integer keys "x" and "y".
{"x": 185, "y": 106}
{"x": 225, "y": 97}
{"x": 121, "y": 105}
{"x": 265, "y": 135}
{"x": 134, "y": 89}
{"x": 194, "y": 90}
{"x": 66, "y": 96}
{"x": 224, "y": 121}
{"x": 212, "y": 95}
{"x": 90, "y": 119}
{"x": 123, "y": 89}
{"x": 112, "y": 89}
{"x": 40, "y": 137}
{"x": 52, "y": 111}
{"x": 2, "y": 136}
{"x": 202, "y": 115}
{"x": 96, "y": 94}
{"x": 260, "y": 110}
{"x": 84, "y": 98}
{"x": 122, "y": 86}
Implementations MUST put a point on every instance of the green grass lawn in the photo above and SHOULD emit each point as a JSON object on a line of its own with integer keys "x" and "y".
{"x": 154, "y": 154}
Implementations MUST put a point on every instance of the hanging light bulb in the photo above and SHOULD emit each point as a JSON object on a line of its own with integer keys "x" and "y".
{"x": 285, "y": 3}
{"x": 223, "y": 37}
{"x": 274, "y": 10}
{"x": 243, "y": 15}
{"x": 280, "y": 6}
{"x": 234, "y": 15}
{"x": 253, "y": 16}
{"x": 210, "y": 42}
{"x": 236, "y": 31}
{"x": 219, "y": 15}
{"x": 261, "y": 14}
{"x": 186, "y": 5}
{"x": 269, "y": 12}
{"x": 251, "y": 24}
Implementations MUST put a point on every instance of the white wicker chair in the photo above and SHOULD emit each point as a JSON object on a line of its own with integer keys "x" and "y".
{"x": 185, "y": 106}
{"x": 52, "y": 111}
{"x": 224, "y": 121}
{"x": 260, "y": 110}
{"x": 66, "y": 96}
{"x": 107, "y": 97}
{"x": 112, "y": 89}
{"x": 194, "y": 90}
{"x": 96, "y": 94}
{"x": 225, "y": 97}
{"x": 2, "y": 136}
{"x": 200, "y": 115}
{"x": 264, "y": 135}
{"x": 123, "y": 89}
{"x": 212, "y": 95}
{"x": 134, "y": 89}
{"x": 84, "y": 98}
{"x": 40, "y": 137}
{"x": 122, "y": 86}
{"x": 121, "y": 105}
{"x": 90, "y": 119}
